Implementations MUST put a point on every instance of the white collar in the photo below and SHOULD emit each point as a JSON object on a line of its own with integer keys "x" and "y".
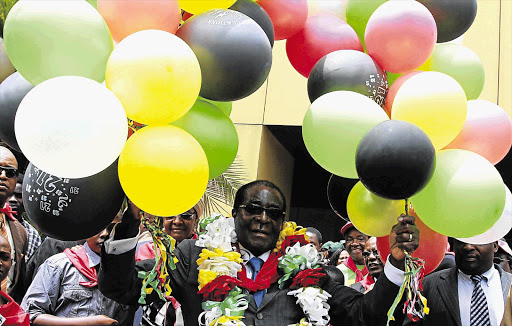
{"x": 94, "y": 258}
{"x": 488, "y": 275}
{"x": 247, "y": 255}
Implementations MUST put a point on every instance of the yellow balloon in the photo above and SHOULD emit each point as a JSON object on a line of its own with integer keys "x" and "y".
{"x": 435, "y": 102}
{"x": 371, "y": 214}
{"x": 155, "y": 75}
{"x": 199, "y": 6}
{"x": 163, "y": 170}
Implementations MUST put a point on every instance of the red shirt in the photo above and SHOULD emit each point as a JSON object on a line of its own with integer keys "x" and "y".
{"x": 12, "y": 312}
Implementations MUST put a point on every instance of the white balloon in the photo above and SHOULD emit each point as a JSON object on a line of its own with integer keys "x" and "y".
{"x": 499, "y": 229}
{"x": 71, "y": 127}
{"x": 333, "y": 7}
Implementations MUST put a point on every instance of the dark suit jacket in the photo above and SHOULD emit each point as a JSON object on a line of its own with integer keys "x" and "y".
{"x": 118, "y": 280}
{"x": 441, "y": 291}
{"x": 20, "y": 240}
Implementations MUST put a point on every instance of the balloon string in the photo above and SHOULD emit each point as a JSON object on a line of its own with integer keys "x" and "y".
{"x": 406, "y": 206}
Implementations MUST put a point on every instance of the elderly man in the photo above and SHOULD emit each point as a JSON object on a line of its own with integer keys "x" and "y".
{"x": 374, "y": 265}
{"x": 471, "y": 293}
{"x": 65, "y": 290}
{"x": 353, "y": 268}
{"x": 10, "y": 227}
{"x": 259, "y": 211}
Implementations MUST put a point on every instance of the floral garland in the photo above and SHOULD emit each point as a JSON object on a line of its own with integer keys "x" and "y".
{"x": 222, "y": 275}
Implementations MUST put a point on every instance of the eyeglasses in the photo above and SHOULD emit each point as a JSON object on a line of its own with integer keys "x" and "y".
{"x": 272, "y": 212}
{"x": 359, "y": 238}
{"x": 9, "y": 172}
{"x": 367, "y": 253}
{"x": 183, "y": 216}
{"x": 499, "y": 260}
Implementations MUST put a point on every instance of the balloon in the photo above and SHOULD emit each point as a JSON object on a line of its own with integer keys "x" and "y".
{"x": 288, "y": 16}
{"x": 46, "y": 39}
{"x": 453, "y": 17}
{"x": 392, "y": 77}
{"x": 433, "y": 101}
{"x": 395, "y": 159}
{"x": 432, "y": 246}
{"x": 400, "y": 35}
{"x": 199, "y": 6}
{"x": 322, "y": 34}
{"x": 348, "y": 70}
{"x": 151, "y": 94}
{"x": 72, "y": 209}
{"x": 172, "y": 169}
{"x": 390, "y": 97}
{"x": 487, "y": 131}
{"x": 233, "y": 51}
{"x": 358, "y": 12}
{"x": 125, "y": 17}
{"x": 500, "y": 229}
{"x": 336, "y": 8}
{"x": 371, "y": 214}
{"x": 215, "y": 133}
{"x": 71, "y": 127}
{"x": 258, "y": 14}
{"x": 465, "y": 196}
{"x": 6, "y": 67}
{"x": 338, "y": 190}
{"x": 334, "y": 125}
{"x": 462, "y": 64}
{"x": 12, "y": 91}
{"x": 225, "y": 107}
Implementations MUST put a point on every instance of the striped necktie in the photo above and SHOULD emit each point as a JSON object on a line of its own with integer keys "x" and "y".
{"x": 256, "y": 264}
{"x": 3, "y": 231}
{"x": 479, "y": 315}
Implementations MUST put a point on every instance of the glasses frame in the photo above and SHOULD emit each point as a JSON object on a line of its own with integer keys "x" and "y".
{"x": 10, "y": 172}
{"x": 182, "y": 216}
{"x": 270, "y": 211}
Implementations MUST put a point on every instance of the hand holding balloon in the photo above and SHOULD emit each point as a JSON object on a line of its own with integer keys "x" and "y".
{"x": 404, "y": 236}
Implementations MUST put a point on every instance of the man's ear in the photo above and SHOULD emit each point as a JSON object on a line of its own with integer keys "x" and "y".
{"x": 495, "y": 246}
{"x": 233, "y": 212}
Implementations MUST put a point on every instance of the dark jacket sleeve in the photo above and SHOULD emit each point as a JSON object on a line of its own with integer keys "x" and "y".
{"x": 350, "y": 307}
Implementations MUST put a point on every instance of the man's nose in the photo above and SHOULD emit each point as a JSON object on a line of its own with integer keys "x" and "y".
{"x": 263, "y": 217}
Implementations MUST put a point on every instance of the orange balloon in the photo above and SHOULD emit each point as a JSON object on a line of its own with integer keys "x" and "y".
{"x": 125, "y": 17}
{"x": 432, "y": 246}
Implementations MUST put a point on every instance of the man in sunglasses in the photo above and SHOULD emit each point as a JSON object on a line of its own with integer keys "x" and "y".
{"x": 374, "y": 265}
{"x": 10, "y": 228}
{"x": 259, "y": 213}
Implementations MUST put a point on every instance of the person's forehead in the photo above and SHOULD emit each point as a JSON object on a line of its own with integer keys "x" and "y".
{"x": 4, "y": 245}
{"x": 370, "y": 244}
{"x": 7, "y": 158}
{"x": 262, "y": 193}
{"x": 354, "y": 233}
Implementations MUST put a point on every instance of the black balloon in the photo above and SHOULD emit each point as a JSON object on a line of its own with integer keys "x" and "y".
{"x": 338, "y": 190}
{"x": 395, "y": 159}
{"x": 348, "y": 70}
{"x": 258, "y": 14}
{"x": 72, "y": 209}
{"x": 453, "y": 17}
{"x": 233, "y": 51}
{"x": 12, "y": 90}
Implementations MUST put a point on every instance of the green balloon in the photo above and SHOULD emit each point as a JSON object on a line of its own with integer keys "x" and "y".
{"x": 46, "y": 39}
{"x": 214, "y": 131}
{"x": 462, "y": 64}
{"x": 334, "y": 125}
{"x": 465, "y": 196}
{"x": 225, "y": 107}
{"x": 392, "y": 77}
{"x": 358, "y": 13}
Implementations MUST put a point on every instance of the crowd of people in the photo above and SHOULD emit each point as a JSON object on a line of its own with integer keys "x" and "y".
{"x": 96, "y": 281}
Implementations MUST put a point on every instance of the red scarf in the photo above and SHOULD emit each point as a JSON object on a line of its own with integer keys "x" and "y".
{"x": 78, "y": 257}
{"x": 360, "y": 274}
{"x": 367, "y": 281}
{"x": 267, "y": 275}
{"x": 7, "y": 210}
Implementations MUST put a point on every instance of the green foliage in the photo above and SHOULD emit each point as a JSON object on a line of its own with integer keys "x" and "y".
{"x": 5, "y": 7}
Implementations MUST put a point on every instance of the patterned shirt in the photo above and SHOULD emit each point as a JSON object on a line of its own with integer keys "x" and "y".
{"x": 34, "y": 240}
{"x": 55, "y": 290}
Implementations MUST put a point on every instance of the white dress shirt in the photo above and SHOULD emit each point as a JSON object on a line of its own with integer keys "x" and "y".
{"x": 493, "y": 293}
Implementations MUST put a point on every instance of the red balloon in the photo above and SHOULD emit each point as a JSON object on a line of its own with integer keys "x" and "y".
{"x": 185, "y": 15}
{"x": 401, "y": 35}
{"x": 487, "y": 131}
{"x": 321, "y": 35}
{"x": 432, "y": 246}
{"x": 390, "y": 97}
{"x": 287, "y": 16}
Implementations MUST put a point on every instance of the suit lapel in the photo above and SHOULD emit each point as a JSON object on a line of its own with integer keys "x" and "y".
{"x": 448, "y": 290}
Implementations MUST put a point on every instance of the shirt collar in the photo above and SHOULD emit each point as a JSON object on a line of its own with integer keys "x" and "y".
{"x": 94, "y": 258}
{"x": 488, "y": 275}
{"x": 246, "y": 255}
